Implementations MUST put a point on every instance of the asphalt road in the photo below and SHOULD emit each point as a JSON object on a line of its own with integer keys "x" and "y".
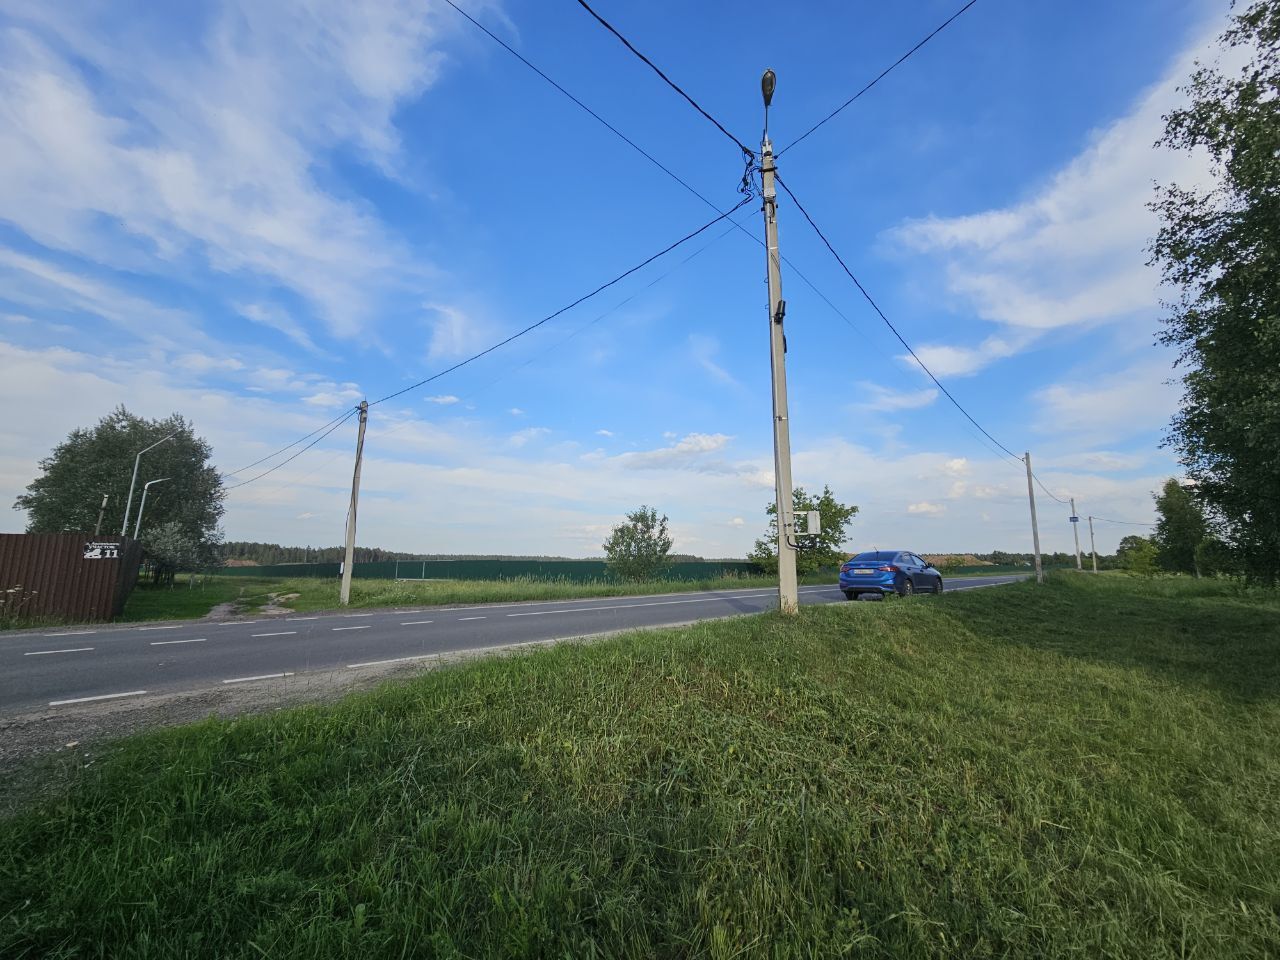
{"x": 62, "y": 668}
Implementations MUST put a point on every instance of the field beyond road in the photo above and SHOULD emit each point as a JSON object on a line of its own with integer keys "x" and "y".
{"x": 1082, "y": 769}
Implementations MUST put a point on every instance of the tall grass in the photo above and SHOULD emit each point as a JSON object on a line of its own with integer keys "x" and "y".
{"x": 1086, "y": 769}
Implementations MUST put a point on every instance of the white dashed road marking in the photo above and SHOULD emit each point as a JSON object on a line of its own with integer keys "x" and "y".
{"x": 265, "y": 676}
{"x": 41, "y": 653}
{"x": 365, "y": 627}
{"x": 282, "y": 633}
{"x": 102, "y": 696}
{"x": 165, "y": 643}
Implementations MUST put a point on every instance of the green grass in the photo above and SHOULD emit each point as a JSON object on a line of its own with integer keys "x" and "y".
{"x": 1084, "y": 769}
{"x": 185, "y": 602}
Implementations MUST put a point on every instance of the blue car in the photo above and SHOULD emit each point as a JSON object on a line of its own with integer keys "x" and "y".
{"x": 882, "y": 572}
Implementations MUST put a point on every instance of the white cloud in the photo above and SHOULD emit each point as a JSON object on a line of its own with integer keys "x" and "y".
{"x": 516, "y": 412}
{"x": 336, "y": 396}
{"x": 1107, "y": 409}
{"x": 604, "y": 433}
{"x": 444, "y": 400}
{"x": 1073, "y": 253}
{"x": 276, "y": 319}
{"x": 873, "y": 396}
{"x": 703, "y": 350}
{"x": 520, "y": 438}
{"x": 454, "y": 332}
{"x": 215, "y": 157}
{"x": 925, "y": 508}
{"x": 737, "y": 522}
{"x": 690, "y": 453}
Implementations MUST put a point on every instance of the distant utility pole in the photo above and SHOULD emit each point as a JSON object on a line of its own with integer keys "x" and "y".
{"x": 344, "y": 597}
{"x": 1093, "y": 549}
{"x": 1075, "y": 532}
{"x": 97, "y": 527}
{"x": 1035, "y": 527}
{"x": 788, "y": 590}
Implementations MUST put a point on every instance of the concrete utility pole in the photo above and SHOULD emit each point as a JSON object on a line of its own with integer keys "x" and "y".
{"x": 344, "y": 597}
{"x": 788, "y": 591}
{"x": 97, "y": 527}
{"x": 1075, "y": 532}
{"x": 1035, "y": 527}
{"x": 1093, "y": 549}
{"x": 145, "y": 487}
{"x": 128, "y": 504}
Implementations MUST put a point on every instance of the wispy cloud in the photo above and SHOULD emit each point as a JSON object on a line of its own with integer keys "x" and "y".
{"x": 444, "y": 400}
{"x": 873, "y": 396}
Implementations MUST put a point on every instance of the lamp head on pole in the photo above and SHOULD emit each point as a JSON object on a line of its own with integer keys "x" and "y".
{"x": 768, "y": 83}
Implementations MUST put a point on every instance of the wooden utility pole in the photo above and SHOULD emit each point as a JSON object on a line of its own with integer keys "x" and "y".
{"x": 1035, "y": 527}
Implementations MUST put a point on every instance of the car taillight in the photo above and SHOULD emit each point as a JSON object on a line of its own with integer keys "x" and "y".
{"x": 845, "y": 568}
{"x": 887, "y": 568}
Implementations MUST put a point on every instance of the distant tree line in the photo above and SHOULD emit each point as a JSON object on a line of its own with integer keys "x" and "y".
{"x": 267, "y": 554}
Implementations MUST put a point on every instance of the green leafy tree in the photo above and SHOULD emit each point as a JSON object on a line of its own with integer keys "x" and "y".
{"x": 1138, "y": 555}
{"x": 1220, "y": 248}
{"x": 172, "y": 549}
{"x": 1180, "y": 528}
{"x": 639, "y": 548}
{"x": 825, "y": 550}
{"x": 1215, "y": 558}
{"x": 67, "y": 494}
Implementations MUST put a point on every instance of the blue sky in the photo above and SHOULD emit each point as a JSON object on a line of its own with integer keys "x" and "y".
{"x": 257, "y": 214}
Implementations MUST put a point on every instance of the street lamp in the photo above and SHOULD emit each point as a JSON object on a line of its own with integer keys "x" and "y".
{"x": 129, "y": 503}
{"x": 145, "y": 487}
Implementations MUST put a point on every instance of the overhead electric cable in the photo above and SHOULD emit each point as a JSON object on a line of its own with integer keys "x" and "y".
{"x": 349, "y": 414}
{"x": 747, "y": 151}
{"x": 1127, "y": 523}
{"x": 587, "y": 296}
{"x": 1051, "y": 494}
{"x": 270, "y": 456}
{"x": 889, "y": 323}
{"x": 884, "y": 73}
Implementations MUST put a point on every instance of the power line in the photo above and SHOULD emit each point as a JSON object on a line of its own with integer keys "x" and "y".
{"x": 1049, "y": 492}
{"x": 1127, "y": 523}
{"x": 875, "y": 306}
{"x": 749, "y": 153}
{"x": 349, "y": 414}
{"x": 270, "y": 456}
{"x": 533, "y": 326}
{"x": 884, "y": 73}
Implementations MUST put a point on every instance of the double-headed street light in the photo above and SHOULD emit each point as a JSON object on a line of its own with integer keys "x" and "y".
{"x": 145, "y": 487}
{"x": 124, "y": 527}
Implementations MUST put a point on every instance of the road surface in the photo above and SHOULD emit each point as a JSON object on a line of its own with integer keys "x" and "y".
{"x": 61, "y": 668}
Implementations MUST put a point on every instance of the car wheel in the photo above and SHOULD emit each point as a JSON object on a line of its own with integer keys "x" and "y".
{"x": 938, "y": 588}
{"x": 850, "y": 595}
{"x": 908, "y": 588}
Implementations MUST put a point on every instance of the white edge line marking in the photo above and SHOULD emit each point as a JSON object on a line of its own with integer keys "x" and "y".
{"x": 165, "y": 643}
{"x": 628, "y": 606}
{"x": 173, "y": 627}
{"x": 296, "y": 619}
{"x": 282, "y": 633}
{"x": 38, "y": 653}
{"x": 74, "y": 633}
{"x": 377, "y": 663}
{"x": 103, "y": 696}
{"x": 365, "y": 627}
{"x": 265, "y": 676}
{"x": 357, "y": 614}
{"x": 414, "y": 623}
{"x": 460, "y": 619}
{"x": 229, "y": 623}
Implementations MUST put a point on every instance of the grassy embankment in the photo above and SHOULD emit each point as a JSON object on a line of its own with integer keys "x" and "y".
{"x": 1083, "y": 769}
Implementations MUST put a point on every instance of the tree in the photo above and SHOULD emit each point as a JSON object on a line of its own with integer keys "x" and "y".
{"x": 1214, "y": 558}
{"x": 1138, "y": 555}
{"x": 638, "y": 549}
{"x": 823, "y": 551}
{"x": 172, "y": 549}
{"x": 1220, "y": 248}
{"x": 1180, "y": 528}
{"x": 95, "y": 461}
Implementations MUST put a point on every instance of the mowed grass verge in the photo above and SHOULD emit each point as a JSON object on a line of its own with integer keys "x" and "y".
{"x": 1083, "y": 769}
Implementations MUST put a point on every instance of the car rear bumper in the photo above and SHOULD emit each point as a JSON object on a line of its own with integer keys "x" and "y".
{"x": 867, "y": 585}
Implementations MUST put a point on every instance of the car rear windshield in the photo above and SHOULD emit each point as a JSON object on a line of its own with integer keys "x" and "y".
{"x": 877, "y": 555}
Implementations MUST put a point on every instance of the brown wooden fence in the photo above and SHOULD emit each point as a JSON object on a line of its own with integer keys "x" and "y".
{"x": 70, "y": 576}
